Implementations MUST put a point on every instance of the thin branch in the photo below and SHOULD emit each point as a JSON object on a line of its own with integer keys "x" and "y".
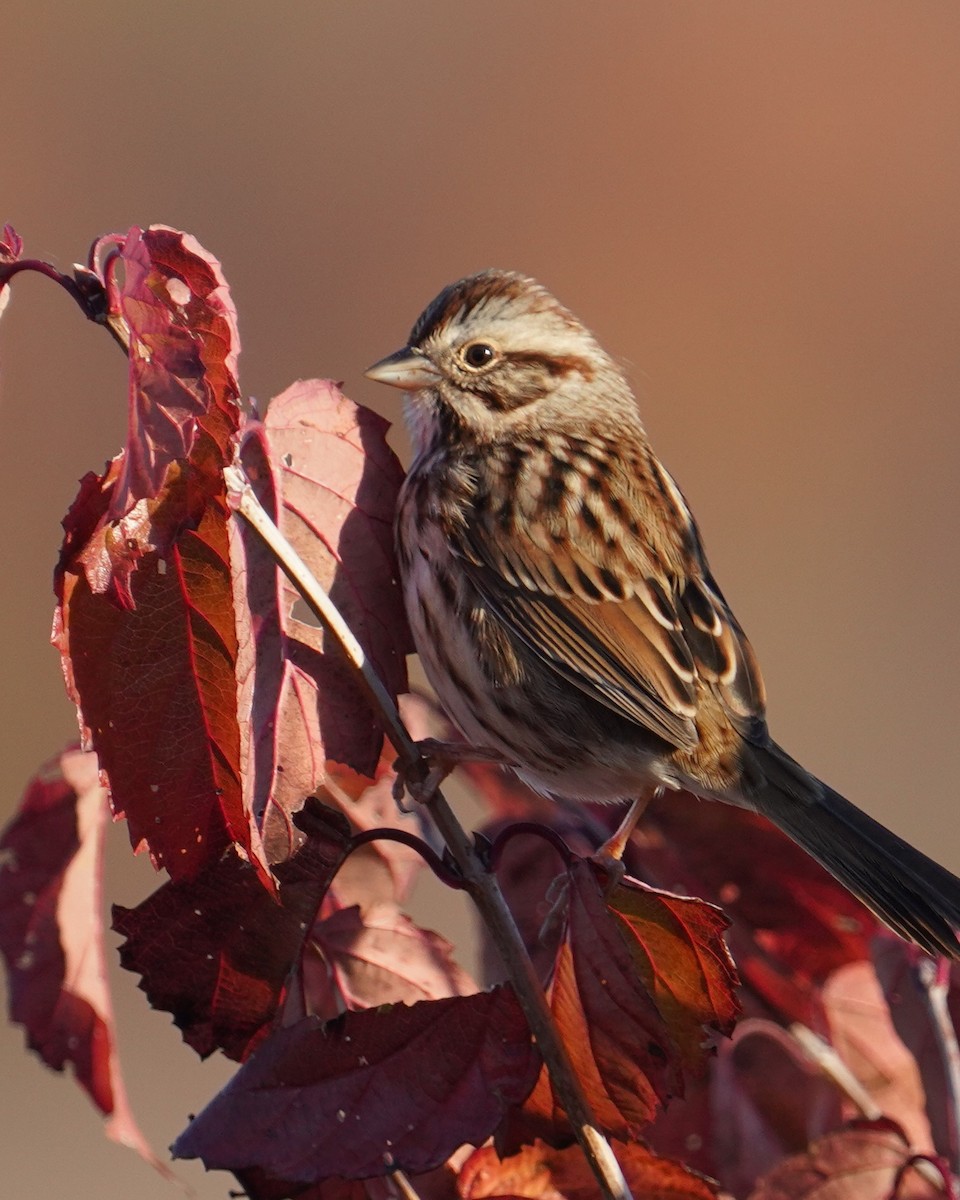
{"x": 836, "y": 1070}
{"x": 404, "y": 1186}
{"x": 479, "y": 882}
{"x": 86, "y": 288}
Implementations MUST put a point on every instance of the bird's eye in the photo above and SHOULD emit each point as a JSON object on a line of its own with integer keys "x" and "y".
{"x": 478, "y": 354}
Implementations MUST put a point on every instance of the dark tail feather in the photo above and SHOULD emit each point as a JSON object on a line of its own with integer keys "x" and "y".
{"x": 911, "y": 893}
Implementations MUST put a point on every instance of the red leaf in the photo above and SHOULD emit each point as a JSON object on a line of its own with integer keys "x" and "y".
{"x": 678, "y": 948}
{"x": 329, "y": 460}
{"x": 540, "y": 1173}
{"x": 627, "y": 1061}
{"x": 51, "y": 934}
{"x": 183, "y": 356}
{"x": 217, "y": 951}
{"x": 869, "y": 1162}
{"x": 146, "y": 621}
{"x": 370, "y": 1092}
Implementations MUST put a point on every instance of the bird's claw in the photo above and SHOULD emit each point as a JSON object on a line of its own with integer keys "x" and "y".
{"x": 436, "y": 760}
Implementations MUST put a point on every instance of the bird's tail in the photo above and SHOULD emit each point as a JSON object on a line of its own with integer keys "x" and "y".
{"x": 911, "y": 893}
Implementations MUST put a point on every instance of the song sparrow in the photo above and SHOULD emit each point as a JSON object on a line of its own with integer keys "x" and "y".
{"x": 562, "y": 604}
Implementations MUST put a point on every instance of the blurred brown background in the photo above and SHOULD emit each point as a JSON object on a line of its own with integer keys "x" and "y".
{"x": 754, "y": 204}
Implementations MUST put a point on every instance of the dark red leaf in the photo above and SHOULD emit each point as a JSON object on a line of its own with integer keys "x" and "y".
{"x": 434, "y": 1185}
{"x": 51, "y": 934}
{"x": 322, "y": 468}
{"x": 370, "y": 1092}
{"x": 623, "y": 1051}
{"x": 217, "y": 951}
{"x": 259, "y": 1186}
{"x": 541, "y": 1173}
{"x": 867, "y": 1162}
{"x": 146, "y": 622}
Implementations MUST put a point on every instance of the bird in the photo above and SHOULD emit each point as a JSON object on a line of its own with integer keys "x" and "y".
{"x": 562, "y": 605}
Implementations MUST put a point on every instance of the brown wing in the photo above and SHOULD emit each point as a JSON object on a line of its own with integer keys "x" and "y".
{"x": 616, "y": 622}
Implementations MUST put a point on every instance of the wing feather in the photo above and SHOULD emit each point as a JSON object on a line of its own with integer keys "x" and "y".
{"x": 614, "y": 620}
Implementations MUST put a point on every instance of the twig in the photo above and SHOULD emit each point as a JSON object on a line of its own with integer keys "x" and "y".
{"x": 481, "y": 884}
{"x": 404, "y": 1186}
{"x": 836, "y": 1070}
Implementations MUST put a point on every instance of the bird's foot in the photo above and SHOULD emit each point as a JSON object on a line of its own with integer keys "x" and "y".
{"x": 437, "y": 759}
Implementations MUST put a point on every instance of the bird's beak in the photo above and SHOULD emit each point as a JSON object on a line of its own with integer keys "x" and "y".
{"x": 407, "y": 369}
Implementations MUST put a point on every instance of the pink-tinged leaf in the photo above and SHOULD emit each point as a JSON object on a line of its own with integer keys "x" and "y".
{"x": 916, "y": 990}
{"x": 541, "y": 1173}
{"x": 370, "y": 1092}
{"x": 863, "y": 1034}
{"x": 183, "y": 352}
{"x": 51, "y": 935}
{"x": 868, "y": 1161}
{"x": 146, "y": 623}
{"x": 364, "y": 958}
{"x": 322, "y": 468}
{"x": 219, "y": 952}
{"x": 622, "y": 1050}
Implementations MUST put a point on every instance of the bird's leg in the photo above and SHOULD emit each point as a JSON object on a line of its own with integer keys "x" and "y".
{"x": 438, "y": 759}
{"x": 611, "y": 852}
